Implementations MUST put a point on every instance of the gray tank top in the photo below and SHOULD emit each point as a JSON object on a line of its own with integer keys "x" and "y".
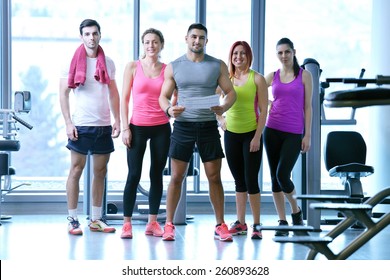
{"x": 196, "y": 79}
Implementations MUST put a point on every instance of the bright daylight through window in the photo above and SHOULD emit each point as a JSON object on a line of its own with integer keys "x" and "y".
{"x": 44, "y": 33}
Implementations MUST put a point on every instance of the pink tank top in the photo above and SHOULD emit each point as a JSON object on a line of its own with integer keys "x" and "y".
{"x": 288, "y": 107}
{"x": 145, "y": 94}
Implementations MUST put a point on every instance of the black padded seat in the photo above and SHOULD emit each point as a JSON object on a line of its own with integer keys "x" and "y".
{"x": 9, "y": 145}
{"x": 352, "y": 170}
{"x": 358, "y": 97}
{"x": 345, "y": 155}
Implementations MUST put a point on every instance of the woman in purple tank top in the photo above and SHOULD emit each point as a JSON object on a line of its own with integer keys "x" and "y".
{"x": 288, "y": 128}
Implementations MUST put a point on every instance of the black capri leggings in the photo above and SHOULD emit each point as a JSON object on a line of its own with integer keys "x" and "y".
{"x": 243, "y": 164}
{"x": 282, "y": 150}
{"x": 159, "y": 139}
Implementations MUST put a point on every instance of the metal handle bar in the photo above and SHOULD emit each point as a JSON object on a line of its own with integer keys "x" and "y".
{"x": 26, "y": 124}
{"x": 379, "y": 80}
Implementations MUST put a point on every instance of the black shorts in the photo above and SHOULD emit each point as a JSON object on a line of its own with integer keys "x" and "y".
{"x": 93, "y": 140}
{"x": 205, "y": 135}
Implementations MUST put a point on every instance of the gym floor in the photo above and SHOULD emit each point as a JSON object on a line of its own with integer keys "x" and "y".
{"x": 45, "y": 237}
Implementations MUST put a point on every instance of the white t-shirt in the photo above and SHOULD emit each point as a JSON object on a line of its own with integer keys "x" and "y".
{"x": 91, "y": 104}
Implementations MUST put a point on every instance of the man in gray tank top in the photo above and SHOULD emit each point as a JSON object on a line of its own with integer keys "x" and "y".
{"x": 195, "y": 76}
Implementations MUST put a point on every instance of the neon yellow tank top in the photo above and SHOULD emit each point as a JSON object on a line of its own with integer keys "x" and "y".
{"x": 242, "y": 116}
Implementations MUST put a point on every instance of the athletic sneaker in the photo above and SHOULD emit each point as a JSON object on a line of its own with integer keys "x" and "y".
{"x": 256, "y": 234}
{"x": 297, "y": 218}
{"x": 74, "y": 226}
{"x": 169, "y": 232}
{"x": 222, "y": 233}
{"x": 282, "y": 232}
{"x": 101, "y": 225}
{"x": 154, "y": 228}
{"x": 238, "y": 229}
{"x": 127, "y": 231}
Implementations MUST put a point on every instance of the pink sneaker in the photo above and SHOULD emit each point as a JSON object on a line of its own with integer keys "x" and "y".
{"x": 238, "y": 229}
{"x": 154, "y": 228}
{"x": 256, "y": 234}
{"x": 222, "y": 233}
{"x": 127, "y": 231}
{"x": 169, "y": 232}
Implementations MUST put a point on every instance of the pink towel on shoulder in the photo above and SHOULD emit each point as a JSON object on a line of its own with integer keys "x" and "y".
{"x": 78, "y": 68}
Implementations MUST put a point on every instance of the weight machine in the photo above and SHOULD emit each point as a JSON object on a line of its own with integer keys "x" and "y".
{"x": 9, "y": 142}
{"x": 353, "y": 212}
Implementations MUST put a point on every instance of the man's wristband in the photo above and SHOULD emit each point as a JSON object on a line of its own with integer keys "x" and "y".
{"x": 167, "y": 112}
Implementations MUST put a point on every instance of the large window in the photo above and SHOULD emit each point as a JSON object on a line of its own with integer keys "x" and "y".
{"x": 44, "y": 37}
{"x": 225, "y": 26}
{"x": 335, "y": 33}
{"x": 173, "y": 19}
{"x": 45, "y": 34}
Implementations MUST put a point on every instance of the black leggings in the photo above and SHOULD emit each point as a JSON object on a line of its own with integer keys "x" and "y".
{"x": 243, "y": 164}
{"x": 282, "y": 150}
{"x": 159, "y": 137}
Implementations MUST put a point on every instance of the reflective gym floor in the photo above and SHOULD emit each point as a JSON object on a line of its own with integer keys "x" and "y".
{"x": 45, "y": 237}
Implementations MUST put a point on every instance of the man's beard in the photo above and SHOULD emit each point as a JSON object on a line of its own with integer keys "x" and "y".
{"x": 197, "y": 51}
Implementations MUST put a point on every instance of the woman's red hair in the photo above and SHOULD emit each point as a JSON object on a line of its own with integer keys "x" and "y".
{"x": 249, "y": 55}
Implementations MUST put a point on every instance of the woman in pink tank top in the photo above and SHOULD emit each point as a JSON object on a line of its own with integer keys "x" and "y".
{"x": 288, "y": 128}
{"x": 144, "y": 122}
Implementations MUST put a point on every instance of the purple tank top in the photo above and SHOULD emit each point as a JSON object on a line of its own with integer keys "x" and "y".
{"x": 287, "y": 110}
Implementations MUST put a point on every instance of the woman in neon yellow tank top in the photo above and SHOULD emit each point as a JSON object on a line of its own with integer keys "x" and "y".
{"x": 243, "y": 128}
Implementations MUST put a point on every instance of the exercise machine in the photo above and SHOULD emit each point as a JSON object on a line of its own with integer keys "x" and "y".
{"x": 9, "y": 142}
{"x": 353, "y": 212}
{"x": 344, "y": 157}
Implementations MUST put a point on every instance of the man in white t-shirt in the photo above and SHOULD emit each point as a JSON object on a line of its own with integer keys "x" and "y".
{"x": 89, "y": 130}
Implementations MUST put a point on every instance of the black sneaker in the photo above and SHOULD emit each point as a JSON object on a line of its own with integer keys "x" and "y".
{"x": 297, "y": 218}
{"x": 282, "y": 232}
